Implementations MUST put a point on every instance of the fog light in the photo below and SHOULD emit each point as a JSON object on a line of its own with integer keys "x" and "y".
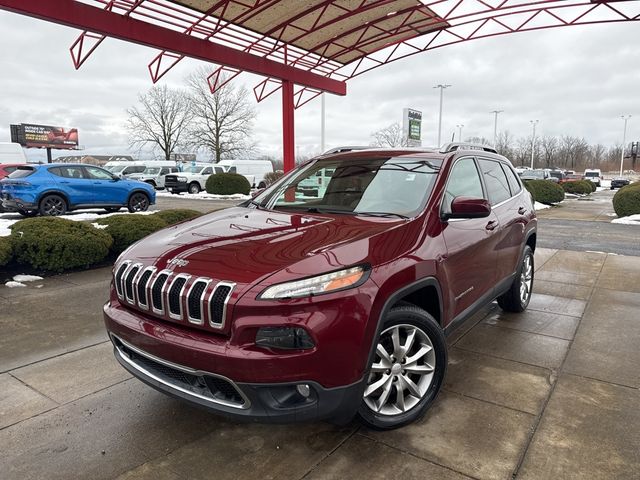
{"x": 287, "y": 338}
{"x": 304, "y": 390}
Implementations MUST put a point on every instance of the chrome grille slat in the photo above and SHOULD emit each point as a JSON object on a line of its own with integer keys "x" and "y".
{"x": 157, "y": 291}
{"x": 141, "y": 284}
{"x": 128, "y": 282}
{"x": 195, "y": 300}
{"x": 174, "y": 296}
{"x": 118, "y": 278}
{"x": 218, "y": 304}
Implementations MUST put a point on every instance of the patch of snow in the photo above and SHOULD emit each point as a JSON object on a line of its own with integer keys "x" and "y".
{"x": 26, "y": 278}
{"x": 8, "y": 219}
{"x": 630, "y": 220}
{"x": 571, "y": 195}
{"x": 99, "y": 226}
{"x": 11, "y": 284}
{"x": 204, "y": 196}
{"x": 541, "y": 206}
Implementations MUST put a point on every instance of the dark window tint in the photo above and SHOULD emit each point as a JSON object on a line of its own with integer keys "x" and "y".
{"x": 464, "y": 181}
{"x": 22, "y": 172}
{"x": 512, "y": 178}
{"x": 133, "y": 169}
{"x": 495, "y": 180}
{"x": 67, "y": 172}
{"x": 96, "y": 173}
{"x": 232, "y": 170}
{"x": 10, "y": 169}
{"x": 207, "y": 171}
{"x": 219, "y": 170}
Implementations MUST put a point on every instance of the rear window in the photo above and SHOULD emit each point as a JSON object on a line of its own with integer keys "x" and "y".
{"x": 495, "y": 180}
{"x": 592, "y": 174}
{"x": 22, "y": 172}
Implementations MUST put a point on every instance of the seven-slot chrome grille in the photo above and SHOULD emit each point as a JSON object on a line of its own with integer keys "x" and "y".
{"x": 181, "y": 297}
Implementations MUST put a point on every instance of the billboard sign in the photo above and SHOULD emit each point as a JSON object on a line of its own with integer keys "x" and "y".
{"x": 43, "y": 136}
{"x": 412, "y": 127}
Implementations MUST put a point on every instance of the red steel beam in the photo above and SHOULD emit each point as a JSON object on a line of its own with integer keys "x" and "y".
{"x": 78, "y": 15}
{"x": 288, "y": 127}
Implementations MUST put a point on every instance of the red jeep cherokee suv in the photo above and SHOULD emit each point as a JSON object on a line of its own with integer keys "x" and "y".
{"x": 293, "y": 307}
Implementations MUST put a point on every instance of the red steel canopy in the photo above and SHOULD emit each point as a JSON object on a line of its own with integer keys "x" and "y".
{"x": 315, "y": 44}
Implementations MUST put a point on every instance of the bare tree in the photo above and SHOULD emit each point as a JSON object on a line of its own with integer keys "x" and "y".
{"x": 391, "y": 136}
{"x": 223, "y": 120}
{"x": 161, "y": 120}
{"x": 504, "y": 144}
{"x": 549, "y": 147}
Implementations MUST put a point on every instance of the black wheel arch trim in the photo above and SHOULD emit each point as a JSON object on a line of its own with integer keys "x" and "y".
{"x": 64, "y": 196}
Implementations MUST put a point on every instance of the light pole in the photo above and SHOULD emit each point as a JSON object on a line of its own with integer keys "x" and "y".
{"x": 495, "y": 126}
{"x": 441, "y": 87}
{"x": 460, "y": 132}
{"x": 624, "y": 140}
{"x": 533, "y": 140}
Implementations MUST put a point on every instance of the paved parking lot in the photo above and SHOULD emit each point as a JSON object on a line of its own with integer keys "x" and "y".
{"x": 551, "y": 393}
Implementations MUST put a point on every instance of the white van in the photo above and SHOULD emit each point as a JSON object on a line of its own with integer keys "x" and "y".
{"x": 12, "y": 153}
{"x": 249, "y": 168}
{"x": 593, "y": 175}
{"x": 124, "y": 169}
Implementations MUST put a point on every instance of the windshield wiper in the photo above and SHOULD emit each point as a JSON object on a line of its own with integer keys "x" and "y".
{"x": 257, "y": 205}
{"x": 381, "y": 214}
{"x": 327, "y": 210}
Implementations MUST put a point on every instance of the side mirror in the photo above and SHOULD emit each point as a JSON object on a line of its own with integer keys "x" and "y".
{"x": 115, "y": 178}
{"x": 468, "y": 207}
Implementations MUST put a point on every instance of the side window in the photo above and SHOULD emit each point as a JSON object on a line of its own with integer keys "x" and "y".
{"x": 67, "y": 172}
{"x": 219, "y": 170}
{"x": 495, "y": 180}
{"x": 207, "y": 171}
{"x": 512, "y": 178}
{"x": 164, "y": 171}
{"x": 10, "y": 169}
{"x": 98, "y": 173}
{"x": 232, "y": 170}
{"x": 463, "y": 181}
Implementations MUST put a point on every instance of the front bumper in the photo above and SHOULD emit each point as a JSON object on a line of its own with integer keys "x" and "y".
{"x": 177, "y": 187}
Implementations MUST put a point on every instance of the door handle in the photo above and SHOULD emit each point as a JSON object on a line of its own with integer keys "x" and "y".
{"x": 522, "y": 210}
{"x": 491, "y": 225}
{"x": 66, "y": 183}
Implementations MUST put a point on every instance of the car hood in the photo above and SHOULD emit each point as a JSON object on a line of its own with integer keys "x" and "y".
{"x": 246, "y": 246}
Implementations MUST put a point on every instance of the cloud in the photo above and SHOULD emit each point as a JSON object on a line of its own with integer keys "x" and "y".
{"x": 575, "y": 81}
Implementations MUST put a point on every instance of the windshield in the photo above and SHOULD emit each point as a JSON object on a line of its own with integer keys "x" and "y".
{"x": 193, "y": 169}
{"x": 151, "y": 171}
{"x": 116, "y": 168}
{"x": 378, "y": 186}
{"x": 591, "y": 174}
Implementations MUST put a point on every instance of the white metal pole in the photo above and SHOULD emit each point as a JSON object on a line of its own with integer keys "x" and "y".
{"x": 624, "y": 141}
{"x": 495, "y": 126}
{"x": 460, "y": 132}
{"x": 322, "y": 125}
{"x": 441, "y": 87}
{"x": 533, "y": 141}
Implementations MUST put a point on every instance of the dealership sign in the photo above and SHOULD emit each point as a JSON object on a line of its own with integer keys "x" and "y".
{"x": 43, "y": 136}
{"x": 412, "y": 126}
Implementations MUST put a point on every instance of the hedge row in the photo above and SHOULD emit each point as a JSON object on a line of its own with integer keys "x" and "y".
{"x": 579, "y": 187}
{"x": 544, "y": 191}
{"x": 56, "y": 244}
{"x": 626, "y": 201}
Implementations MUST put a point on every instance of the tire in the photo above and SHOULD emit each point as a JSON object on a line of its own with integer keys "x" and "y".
{"x": 517, "y": 298}
{"x": 194, "y": 188}
{"x": 113, "y": 209}
{"x": 52, "y": 206}
{"x": 138, "y": 202}
{"x": 387, "y": 371}
{"x": 262, "y": 185}
{"x": 28, "y": 213}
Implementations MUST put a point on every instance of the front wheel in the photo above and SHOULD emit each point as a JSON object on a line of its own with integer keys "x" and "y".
{"x": 138, "y": 202}
{"x": 407, "y": 370}
{"x": 517, "y": 298}
{"x": 194, "y": 188}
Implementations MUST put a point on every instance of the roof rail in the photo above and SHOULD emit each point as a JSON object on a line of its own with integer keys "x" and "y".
{"x": 346, "y": 149}
{"x": 452, "y": 147}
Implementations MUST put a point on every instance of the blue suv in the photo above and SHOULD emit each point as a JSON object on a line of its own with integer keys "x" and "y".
{"x": 54, "y": 189}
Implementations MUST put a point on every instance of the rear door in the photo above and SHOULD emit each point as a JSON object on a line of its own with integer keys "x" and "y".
{"x": 506, "y": 205}
{"x": 470, "y": 263}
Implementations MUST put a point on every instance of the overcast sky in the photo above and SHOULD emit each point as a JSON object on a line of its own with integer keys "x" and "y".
{"x": 575, "y": 81}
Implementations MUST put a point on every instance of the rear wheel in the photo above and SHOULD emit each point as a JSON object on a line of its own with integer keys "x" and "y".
{"x": 407, "y": 371}
{"x": 194, "y": 188}
{"x": 138, "y": 202}
{"x": 517, "y": 298}
{"x": 52, "y": 206}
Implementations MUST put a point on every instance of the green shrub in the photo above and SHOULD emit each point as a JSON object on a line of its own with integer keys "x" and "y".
{"x": 590, "y": 184}
{"x": 57, "y": 244}
{"x": 6, "y": 250}
{"x": 128, "y": 229}
{"x": 271, "y": 177}
{"x": 626, "y": 201}
{"x": 579, "y": 187}
{"x": 171, "y": 217}
{"x": 228, "y": 184}
{"x": 545, "y": 191}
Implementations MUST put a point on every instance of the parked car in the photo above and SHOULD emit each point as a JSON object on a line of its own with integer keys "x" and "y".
{"x": 254, "y": 170}
{"x": 558, "y": 175}
{"x": 192, "y": 179}
{"x": 571, "y": 177}
{"x": 124, "y": 169}
{"x": 154, "y": 176}
{"x": 7, "y": 168}
{"x": 538, "y": 174}
{"x": 594, "y": 175}
{"x": 54, "y": 189}
{"x": 619, "y": 182}
{"x": 288, "y": 309}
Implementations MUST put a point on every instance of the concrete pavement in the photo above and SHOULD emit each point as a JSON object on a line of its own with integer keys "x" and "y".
{"x": 551, "y": 393}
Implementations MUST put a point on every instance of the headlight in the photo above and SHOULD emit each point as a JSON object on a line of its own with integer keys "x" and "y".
{"x": 327, "y": 283}
{"x": 182, "y": 179}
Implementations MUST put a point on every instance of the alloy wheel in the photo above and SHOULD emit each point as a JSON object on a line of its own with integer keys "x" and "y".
{"x": 139, "y": 202}
{"x": 402, "y": 372}
{"x": 526, "y": 279}
{"x": 53, "y": 206}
